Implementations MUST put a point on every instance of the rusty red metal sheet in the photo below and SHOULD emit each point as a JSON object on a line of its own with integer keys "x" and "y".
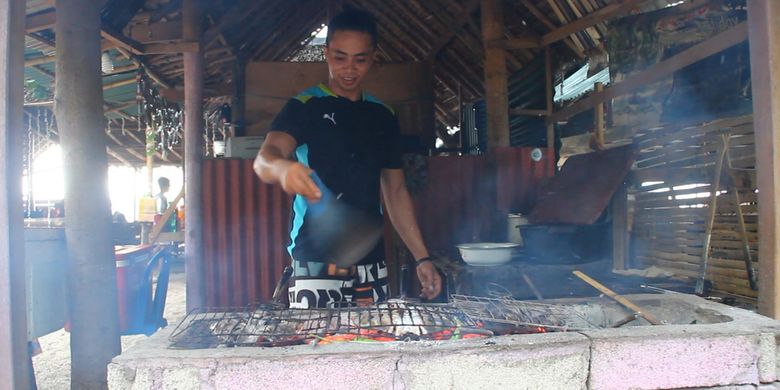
{"x": 245, "y": 233}
{"x": 518, "y": 177}
{"x": 246, "y": 222}
{"x": 467, "y": 199}
{"x": 583, "y": 188}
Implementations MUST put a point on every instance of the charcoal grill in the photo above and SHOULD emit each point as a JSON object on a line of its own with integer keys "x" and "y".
{"x": 269, "y": 325}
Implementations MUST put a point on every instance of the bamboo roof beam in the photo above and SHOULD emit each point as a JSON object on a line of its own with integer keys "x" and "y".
{"x": 562, "y": 18}
{"x": 453, "y": 27}
{"x": 547, "y": 22}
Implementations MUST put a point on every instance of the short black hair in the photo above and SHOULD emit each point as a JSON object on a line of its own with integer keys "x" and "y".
{"x": 163, "y": 182}
{"x": 353, "y": 19}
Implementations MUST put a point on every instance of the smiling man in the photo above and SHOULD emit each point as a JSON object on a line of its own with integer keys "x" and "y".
{"x": 352, "y": 141}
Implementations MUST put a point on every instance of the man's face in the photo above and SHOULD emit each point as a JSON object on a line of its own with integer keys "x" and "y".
{"x": 349, "y": 55}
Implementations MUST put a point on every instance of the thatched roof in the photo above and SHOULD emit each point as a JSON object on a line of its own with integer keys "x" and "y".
{"x": 446, "y": 32}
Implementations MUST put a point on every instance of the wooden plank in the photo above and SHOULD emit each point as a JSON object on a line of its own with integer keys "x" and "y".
{"x": 40, "y": 21}
{"x": 714, "y": 45}
{"x": 122, "y": 41}
{"x": 496, "y": 89}
{"x": 765, "y": 71}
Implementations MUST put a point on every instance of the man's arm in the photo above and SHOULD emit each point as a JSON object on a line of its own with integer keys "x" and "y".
{"x": 273, "y": 165}
{"x": 401, "y": 211}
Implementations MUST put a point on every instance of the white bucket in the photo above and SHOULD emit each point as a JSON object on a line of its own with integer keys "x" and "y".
{"x": 514, "y": 222}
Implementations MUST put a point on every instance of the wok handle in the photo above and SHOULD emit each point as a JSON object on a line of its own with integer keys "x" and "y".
{"x": 279, "y": 290}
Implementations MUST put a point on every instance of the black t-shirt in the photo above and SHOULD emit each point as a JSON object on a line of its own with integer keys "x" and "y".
{"x": 347, "y": 144}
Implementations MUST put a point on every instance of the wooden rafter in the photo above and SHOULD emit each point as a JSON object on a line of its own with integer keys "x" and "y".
{"x": 547, "y": 22}
{"x": 713, "y": 45}
{"x": 609, "y": 12}
{"x": 453, "y": 27}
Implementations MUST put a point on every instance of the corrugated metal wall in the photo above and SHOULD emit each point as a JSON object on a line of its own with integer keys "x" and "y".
{"x": 245, "y": 233}
{"x": 519, "y": 177}
{"x": 246, "y": 222}
{"x": 466, "y": 199}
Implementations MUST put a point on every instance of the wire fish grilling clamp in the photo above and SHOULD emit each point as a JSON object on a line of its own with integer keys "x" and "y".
{"x": 618, "y": 298}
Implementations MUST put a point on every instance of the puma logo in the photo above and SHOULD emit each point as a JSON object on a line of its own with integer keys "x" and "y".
{"x": 332, "y": 117}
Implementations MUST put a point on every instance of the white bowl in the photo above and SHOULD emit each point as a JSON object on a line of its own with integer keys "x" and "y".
{"x": 484, "y": 254}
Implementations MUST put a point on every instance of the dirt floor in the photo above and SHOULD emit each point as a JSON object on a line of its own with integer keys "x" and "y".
{"x": 52, "y": 367}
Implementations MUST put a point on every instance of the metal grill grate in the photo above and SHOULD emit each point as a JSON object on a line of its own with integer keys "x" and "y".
{"x": 266, "y": 325}
{"x": 521, "y": 314}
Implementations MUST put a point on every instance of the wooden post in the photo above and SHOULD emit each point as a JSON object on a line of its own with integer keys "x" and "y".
{"x": 496, "y": 89}
{"x": 193, "y": 155}
{"x": 239, "y": 96}
{"x": 620, "y": 237}
{"x": 14, "y": 359}
{"x": 150, "y": 150}
{"x": 550, "y": 95}
{"x": 598, "y": 112}
{"x": 94, "y": 333}
{"x": 764, "y": 37}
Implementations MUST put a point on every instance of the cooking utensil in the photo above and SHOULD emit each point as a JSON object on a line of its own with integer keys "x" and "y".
{"x": 484, "y": 254}
{"x": 514, "y": 223}
{"x": 618, "y": 298}
{"x": 341, "y": 233}
{"x": 280, "y": 286}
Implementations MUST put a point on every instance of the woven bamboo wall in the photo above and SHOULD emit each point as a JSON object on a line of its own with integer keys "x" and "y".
{"x": 673, "y": 178}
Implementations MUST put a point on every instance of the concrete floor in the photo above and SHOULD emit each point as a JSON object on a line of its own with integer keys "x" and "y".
{"x": 52, "y": 367}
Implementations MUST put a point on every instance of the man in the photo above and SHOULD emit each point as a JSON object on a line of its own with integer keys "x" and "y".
{"x": 351, "y": 140}
{"x": 162, "y": 199}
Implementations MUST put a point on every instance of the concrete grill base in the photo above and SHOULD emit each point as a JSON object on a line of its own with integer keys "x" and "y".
{"x": 738, "y": 353}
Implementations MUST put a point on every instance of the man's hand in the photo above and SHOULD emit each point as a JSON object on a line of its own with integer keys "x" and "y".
{"x": 429, "y": 280}
{"x": 296, "y": 179}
